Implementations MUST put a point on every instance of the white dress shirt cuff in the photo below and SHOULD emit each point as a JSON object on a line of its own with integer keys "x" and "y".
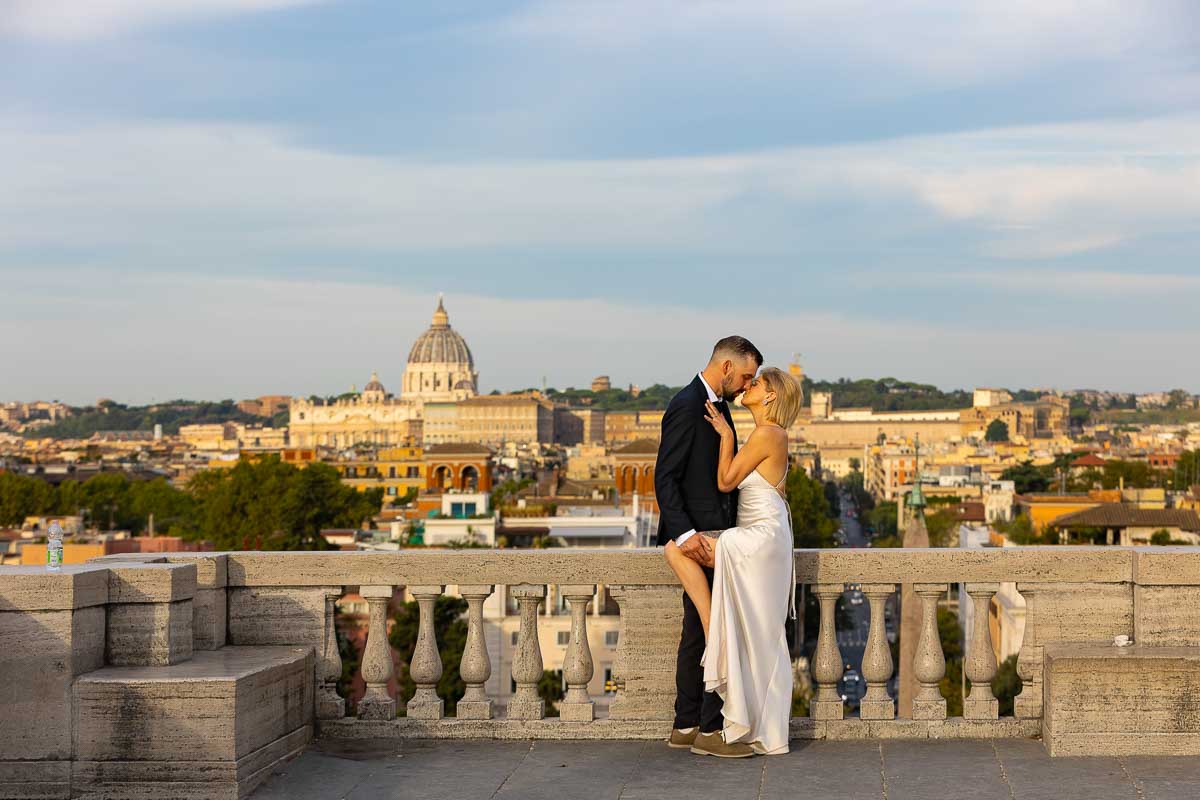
{"x": 683, "y": 537}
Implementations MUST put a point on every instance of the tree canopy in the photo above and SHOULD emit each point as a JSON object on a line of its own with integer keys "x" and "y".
{"x": 266, "y": 505}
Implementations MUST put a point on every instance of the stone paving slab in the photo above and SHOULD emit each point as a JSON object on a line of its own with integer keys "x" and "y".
{"x": 964, "y": 769}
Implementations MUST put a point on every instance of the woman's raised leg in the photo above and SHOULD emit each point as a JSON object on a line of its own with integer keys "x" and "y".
{"x": 691, "y": 575}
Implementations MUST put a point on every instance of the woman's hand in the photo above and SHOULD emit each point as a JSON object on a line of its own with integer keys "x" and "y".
{"x": 717, "y": 420}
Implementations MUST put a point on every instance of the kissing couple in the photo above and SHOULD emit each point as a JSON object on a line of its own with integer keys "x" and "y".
{"x": 726, "y": 527}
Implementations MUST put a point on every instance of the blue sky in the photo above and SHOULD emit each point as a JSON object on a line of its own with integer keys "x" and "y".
{"x": 225, "y": 198}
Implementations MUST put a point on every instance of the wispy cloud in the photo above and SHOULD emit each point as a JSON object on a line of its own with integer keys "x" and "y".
{"x": 954, "y": 42}
{"x": 74, "y": 20}
{"x": 1029, "y": 193}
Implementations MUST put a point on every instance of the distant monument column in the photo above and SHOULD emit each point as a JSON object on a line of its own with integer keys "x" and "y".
{"x": 915, "y": 535}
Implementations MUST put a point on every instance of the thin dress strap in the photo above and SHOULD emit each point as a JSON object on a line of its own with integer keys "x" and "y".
{"x": 784, "y": 478}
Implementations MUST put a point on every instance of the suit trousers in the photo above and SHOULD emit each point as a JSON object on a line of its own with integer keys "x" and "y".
{"x": 693, "y": 705}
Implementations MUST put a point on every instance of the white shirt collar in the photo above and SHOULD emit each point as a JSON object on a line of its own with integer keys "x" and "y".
{"x": 712, "y": 396}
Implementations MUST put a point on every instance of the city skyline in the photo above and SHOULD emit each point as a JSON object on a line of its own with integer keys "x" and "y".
{"x": 226, "y": 199}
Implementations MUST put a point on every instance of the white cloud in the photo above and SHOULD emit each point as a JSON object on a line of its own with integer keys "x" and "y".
{"x": 74, "y": 20}
{"x": 954, "y": 42}
{"x": 234, "y": 191}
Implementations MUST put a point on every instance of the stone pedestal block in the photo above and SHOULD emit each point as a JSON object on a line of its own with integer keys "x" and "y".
{"x": 210, "y": 727}
{"x": 149, "y": 613}
{"x": 473, "y": 709}
{"x": 149, "y": 634}
{"x": 651, "y": 623}
{"x": 1101, "y": 700}
{"x": 51, "y": 631}
{"x": 577, "y": 712}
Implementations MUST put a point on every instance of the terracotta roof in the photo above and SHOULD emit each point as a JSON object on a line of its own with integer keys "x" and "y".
{"x": 455, "y": 448}
{"x": 969, "y": 512}
{"x": 1123, "y": 515}
{"x": 1090, "y": 460}
{"x": 639, "y": 447}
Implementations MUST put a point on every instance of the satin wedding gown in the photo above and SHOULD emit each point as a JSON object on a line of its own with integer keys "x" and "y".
{"x": 746, "y": 660}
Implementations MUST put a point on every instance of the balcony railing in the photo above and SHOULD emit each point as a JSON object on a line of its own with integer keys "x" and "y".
{"x": 1077, "y": 600}
{"x": 1083, "y": 594}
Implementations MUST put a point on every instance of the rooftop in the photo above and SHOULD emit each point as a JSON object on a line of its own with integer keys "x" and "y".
{"x": 1123, "y": 515}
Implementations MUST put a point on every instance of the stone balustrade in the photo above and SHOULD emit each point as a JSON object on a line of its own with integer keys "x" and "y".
{"x": 1076, "y": 594}
{"x": 158, "y": 611}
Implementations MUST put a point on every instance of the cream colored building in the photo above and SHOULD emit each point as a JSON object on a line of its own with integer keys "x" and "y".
{"x": 495, "y": 419}
{"x": 440, "y": 370}
{"x": 231, "y": 436}
{"x": 371, "y": 417}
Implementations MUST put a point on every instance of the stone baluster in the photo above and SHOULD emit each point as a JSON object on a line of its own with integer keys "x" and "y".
{"x": 929, "y": 662}
{"x": 827, "y": 660}
{"x": 476, "y": 666}
{"x": 981, "y": 704}
{"x": 377, "y": 702}
{"x": 426, "y": 666}
{"x": 330, "y": 705}
{"x": 1028, "y": 704}
{"x": 527, "y": 658}
{"x": 877, "y": 658}
{"x": 577, "y": 665}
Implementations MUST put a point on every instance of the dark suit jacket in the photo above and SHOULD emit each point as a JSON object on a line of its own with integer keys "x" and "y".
{"x": 685, "y": 478}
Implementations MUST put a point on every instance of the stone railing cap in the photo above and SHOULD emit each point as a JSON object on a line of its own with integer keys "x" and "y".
{"x": 1166, "y": 566}
{"x": 37, "y": 589}
{"x": 212, "y": 569}
{"x": 139, "y": 582}
{"x": 646, "y": 566}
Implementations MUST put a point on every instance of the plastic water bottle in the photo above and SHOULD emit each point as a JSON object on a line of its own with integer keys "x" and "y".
{"x": 54, "y": 548}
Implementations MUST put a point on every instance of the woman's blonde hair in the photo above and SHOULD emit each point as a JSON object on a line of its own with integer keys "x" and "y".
{"x": 789, "y": 396}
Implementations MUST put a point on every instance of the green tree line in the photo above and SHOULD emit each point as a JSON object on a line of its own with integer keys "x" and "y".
{"x": 172, "y": 415}
{"x": 266, "y": 505}
{"x": 1029, "y": 478}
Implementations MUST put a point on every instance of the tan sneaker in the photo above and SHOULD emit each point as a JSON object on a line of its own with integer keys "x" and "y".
{"x": 713, "y": 744}
{"x": 682, "y": 741}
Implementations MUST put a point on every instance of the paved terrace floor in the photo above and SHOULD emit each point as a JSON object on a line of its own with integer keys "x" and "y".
{"x": 967, "y": 769}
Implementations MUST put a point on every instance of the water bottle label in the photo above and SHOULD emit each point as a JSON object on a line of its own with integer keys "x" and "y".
{"x": 53, "y": 557}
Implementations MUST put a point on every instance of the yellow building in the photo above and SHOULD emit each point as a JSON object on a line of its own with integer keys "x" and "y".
{"x": 396, "y": 470}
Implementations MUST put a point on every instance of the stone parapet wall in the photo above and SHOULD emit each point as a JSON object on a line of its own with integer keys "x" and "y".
{"x": 161, "y": 611}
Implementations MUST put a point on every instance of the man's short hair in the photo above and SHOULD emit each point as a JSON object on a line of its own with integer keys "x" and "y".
{"x": 738, "y": 346}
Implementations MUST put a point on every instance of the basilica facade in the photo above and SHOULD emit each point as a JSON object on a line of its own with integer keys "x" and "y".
{"x": 440, "y": 369}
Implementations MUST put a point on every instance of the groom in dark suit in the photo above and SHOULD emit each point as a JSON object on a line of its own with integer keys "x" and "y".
{"x": 685, "y": 483}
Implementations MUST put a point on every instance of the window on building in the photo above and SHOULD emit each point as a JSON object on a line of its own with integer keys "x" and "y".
{"x": 564, "y": 638}
{"x": 514, "y": 638}
{"x": 391, "y": 472}
{"x": 391, "y": 490}
{"x": 609, "y": 687}
{"x": 413, "y": 472}
{"x": 610, "y": 638}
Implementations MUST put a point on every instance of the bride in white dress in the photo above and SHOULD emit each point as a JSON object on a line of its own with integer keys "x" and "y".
{"x": 746, "y": 658}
